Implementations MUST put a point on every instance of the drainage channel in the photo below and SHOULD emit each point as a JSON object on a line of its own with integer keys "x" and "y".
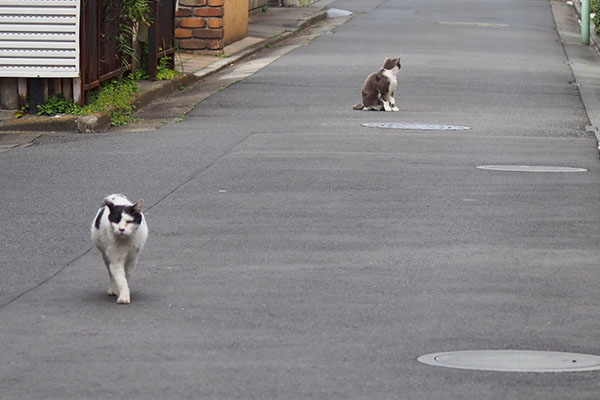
{"x": 530, "y": 168}
{"x": 514, "y": 361}
{"x": 415, "y": 126}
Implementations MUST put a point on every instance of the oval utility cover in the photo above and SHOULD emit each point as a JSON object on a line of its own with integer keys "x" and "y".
{"x": 514, "y": 361}
{"x": 412, "y": 126}
{"x": 530, "y": 168}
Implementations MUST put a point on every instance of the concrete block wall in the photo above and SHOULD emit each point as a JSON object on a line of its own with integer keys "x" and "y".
{"x": 199, "y": 26}
{"x": 9, "y": 98}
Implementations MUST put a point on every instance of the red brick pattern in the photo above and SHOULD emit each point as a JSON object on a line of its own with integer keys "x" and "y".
{"x": 199, "y": 26}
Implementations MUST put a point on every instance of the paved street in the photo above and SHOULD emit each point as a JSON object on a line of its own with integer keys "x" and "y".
{"x": 296, "y": 254}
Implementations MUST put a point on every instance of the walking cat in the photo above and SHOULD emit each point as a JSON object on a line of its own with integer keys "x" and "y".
{"x": 119, "y": 231}
{"x": 379, "y": 88}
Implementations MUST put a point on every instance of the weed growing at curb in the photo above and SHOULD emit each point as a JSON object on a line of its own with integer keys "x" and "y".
{"x": 57, "y": 104}
{"x": 113, "y": 97}
{"x": 164, "y": 71}
{"x": 23, "y": 110}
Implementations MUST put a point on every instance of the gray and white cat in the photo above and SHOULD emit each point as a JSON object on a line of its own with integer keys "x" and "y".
{"x": 119, "y": 231}
{"x": 379, "y": 88}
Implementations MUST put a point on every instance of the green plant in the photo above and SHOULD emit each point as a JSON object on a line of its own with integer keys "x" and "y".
{"x": 115, "y": 97}
{"x": 57, "y": 104}
{"x": 595, "y": 9}
{"x": 139, "y": 75}
{"x": 137, "y": 10}
{"x": 23, "y": 110}
{"x": 164, "y": 70}
{"x": 264, "y": 8}
{"x": 133, "y": 14}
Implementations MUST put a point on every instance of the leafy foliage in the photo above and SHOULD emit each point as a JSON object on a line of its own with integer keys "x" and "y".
{"x": 595, "y": 8}
{"x": 114, "y": 97}
{"x": 137, "y": 10}
{"x": 23, "y": 110}
{"x": 164, "y": 70}
{"x": 140, "y": 75}
{"x": 57, "y": 104}
{"x": 133, "y": 14}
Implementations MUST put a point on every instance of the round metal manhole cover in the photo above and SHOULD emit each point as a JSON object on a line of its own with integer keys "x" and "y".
{"x": 530, "y": 168}
{"x": 514, "y": 361}
{"x": 422, "y": 127}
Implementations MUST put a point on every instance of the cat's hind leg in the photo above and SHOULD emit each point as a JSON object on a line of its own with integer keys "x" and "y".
{"x": 130, "y": 263}
{"x": 112, "y": 287}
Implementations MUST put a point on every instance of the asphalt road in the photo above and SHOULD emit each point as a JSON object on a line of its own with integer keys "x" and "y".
{"x": 296, "y": 254}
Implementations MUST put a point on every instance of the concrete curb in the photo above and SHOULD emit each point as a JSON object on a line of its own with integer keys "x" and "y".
{"x": 61, "y": 123}
{"x": 149, "y": 90}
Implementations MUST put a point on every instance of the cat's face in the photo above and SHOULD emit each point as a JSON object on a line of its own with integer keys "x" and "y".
{"x": 392, "y": 64}
{"x": 124, "y": 220}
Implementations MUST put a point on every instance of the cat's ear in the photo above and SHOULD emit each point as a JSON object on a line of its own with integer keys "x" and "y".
{"x": 108, "y": 204}
{"x": 138, "y": 205}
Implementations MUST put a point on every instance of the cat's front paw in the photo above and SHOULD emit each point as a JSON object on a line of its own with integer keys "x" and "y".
{"x": 395, "y": 108}
{"x": 112, "y": 292}
{"x": 124, "y": 299}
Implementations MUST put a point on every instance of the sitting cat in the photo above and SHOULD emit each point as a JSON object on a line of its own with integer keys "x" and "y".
{"x": 119, "y": 231}
{"x": 379, "y": 88}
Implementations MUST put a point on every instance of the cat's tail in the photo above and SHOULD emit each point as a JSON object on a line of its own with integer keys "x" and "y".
{"x": 358, "y": 107}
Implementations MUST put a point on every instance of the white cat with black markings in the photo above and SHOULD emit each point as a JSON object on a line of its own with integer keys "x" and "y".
{"x": 119, "y": 231}
{"x": 379, "y": 88}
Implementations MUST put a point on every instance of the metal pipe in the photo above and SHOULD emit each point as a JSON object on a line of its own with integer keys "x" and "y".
{"x": 585, "y": 22}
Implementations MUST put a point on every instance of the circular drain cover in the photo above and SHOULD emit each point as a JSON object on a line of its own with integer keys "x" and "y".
{"x": 530, "y": 168}
{"x": 514, "y": 361}
{"x": 423, "y": 127}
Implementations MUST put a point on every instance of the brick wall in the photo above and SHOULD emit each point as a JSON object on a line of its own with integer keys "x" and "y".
{"x": 199, "y": 26}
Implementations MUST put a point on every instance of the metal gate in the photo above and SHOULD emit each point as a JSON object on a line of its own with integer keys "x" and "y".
{"x": 161, "y": 35}
{"x": 100, "y": 54}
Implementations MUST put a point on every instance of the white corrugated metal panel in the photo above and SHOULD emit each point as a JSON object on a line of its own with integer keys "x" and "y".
{"x": 39, "y": 38}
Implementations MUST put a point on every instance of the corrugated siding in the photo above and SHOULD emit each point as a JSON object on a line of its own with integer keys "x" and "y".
{"x": 39, "y": 38}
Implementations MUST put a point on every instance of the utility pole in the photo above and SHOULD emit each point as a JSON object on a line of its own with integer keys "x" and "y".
{"x": 585, "y": 22}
